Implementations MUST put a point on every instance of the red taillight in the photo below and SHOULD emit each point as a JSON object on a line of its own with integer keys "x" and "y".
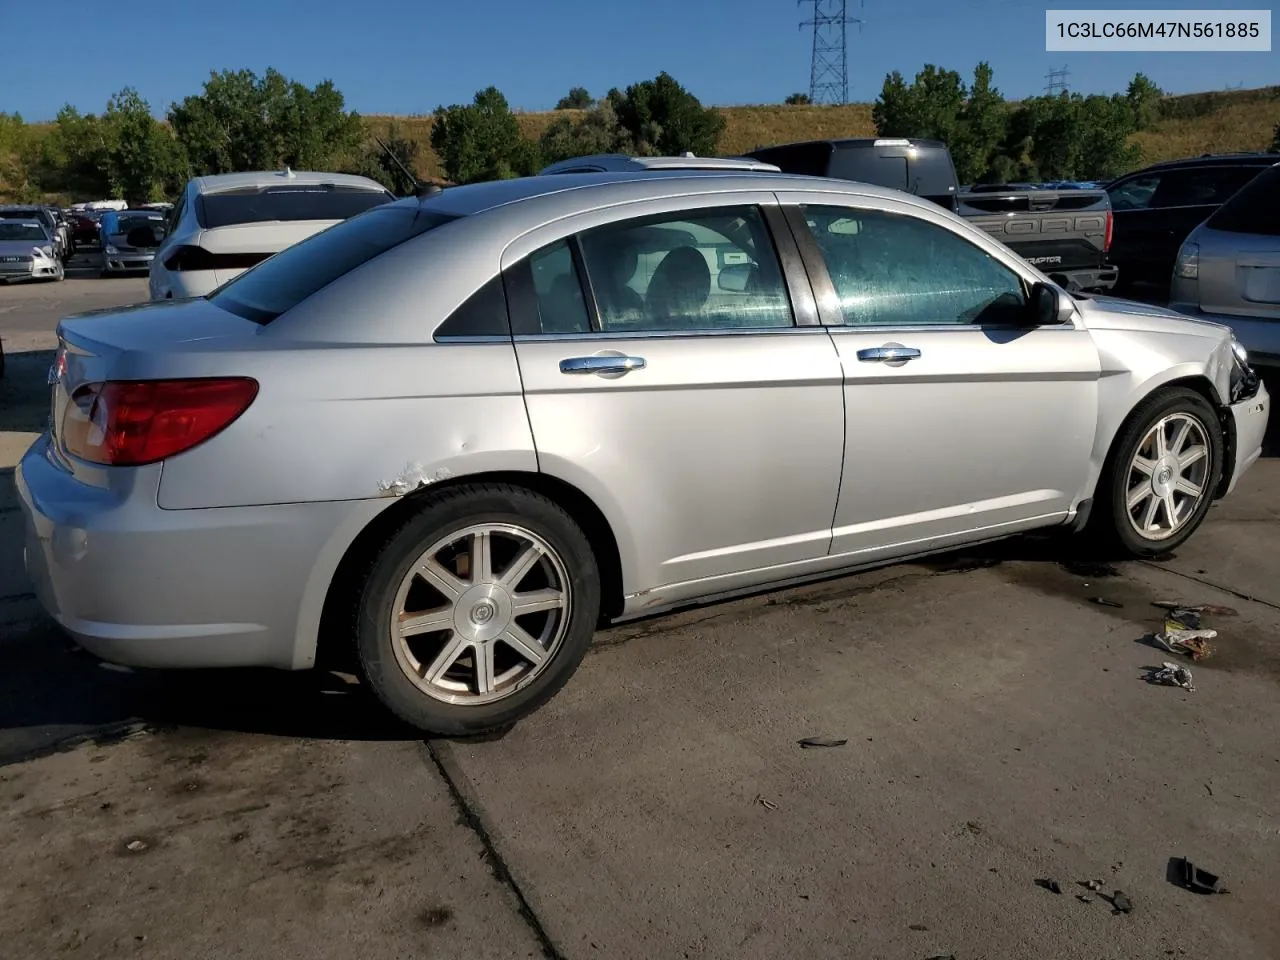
{"x": 1106, "y": 240}
{"x": 131, "y": 422}
{"x": 198, "y": 258}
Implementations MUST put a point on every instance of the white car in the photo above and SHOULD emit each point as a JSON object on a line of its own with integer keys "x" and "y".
{"x": 222, "y": 225}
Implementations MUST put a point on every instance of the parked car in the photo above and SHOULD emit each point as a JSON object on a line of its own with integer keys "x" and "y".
{"x": 129, "y": 240}
{"x": 1067, "y": 234}
{"x": 1228, "y": 270}
{"x": 621, "y": 162}
{"x": 451, "y": 433}
{"x": 27, "y": 252}
{"x": 58, "y": 232}
{"x": 222, "y": 225}
{"x": 1155, "y": 208}
{"x": 84, "y": 228}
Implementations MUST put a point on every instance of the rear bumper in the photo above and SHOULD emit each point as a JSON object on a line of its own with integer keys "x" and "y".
{"x": 1092, "y": 279}
{"x": 1249, "y": 418}
{"x": 1260, "y": 337}
{"x": 138, "y": 585}
{"x": 127, "y": 263}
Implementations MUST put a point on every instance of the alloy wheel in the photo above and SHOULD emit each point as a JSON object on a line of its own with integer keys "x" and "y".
{"x": 480, "y": 613}
{"x": 1168, "y": 476}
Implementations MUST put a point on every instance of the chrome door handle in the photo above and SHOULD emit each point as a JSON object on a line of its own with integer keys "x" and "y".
{"x": 888, "y": 354}
{"x": 601, "y": 364}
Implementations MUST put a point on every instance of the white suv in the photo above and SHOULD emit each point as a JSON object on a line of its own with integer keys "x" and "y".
{"x": 222, "y": 225}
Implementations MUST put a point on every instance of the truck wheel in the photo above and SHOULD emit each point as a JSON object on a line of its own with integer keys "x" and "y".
{"x": 477, "y": 610}
{"x": 1162, "y": 473}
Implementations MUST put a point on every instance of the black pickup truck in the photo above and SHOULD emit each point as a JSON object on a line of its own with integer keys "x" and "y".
{"x": 1063, "y": 233}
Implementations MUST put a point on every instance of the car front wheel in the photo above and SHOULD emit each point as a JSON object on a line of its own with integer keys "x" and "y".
{"x": 1166, "y": 465}
{"x": 477, "y": 610}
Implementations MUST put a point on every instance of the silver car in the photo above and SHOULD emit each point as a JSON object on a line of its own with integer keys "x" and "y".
{"x": 27, "y": 252}
{"x": 1228, "y": 269}
{"x": 451, "y": 434}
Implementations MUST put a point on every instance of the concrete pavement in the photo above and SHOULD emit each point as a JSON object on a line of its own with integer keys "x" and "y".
{"x": 998, "y": 726}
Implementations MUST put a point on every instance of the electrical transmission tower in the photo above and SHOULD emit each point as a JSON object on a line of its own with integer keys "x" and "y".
{"x": 1057, "y": 81}
{"x": 829, "y": 69}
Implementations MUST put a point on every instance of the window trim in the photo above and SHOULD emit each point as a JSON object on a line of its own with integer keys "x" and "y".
{"x": 522, "y": 304}
{"x": 829, "y": 300}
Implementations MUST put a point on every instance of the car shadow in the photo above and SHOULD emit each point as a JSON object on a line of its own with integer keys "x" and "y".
{"x": 24, "y": 391}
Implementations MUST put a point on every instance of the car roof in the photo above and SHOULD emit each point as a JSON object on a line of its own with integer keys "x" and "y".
{"x": 583, "y": 190}
{"x": 622, "y": 161}
{"x": 222, "y": 182}
{"x": 1212, "y": 159}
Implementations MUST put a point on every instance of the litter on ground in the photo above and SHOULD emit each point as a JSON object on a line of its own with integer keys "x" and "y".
{"x": 1172, "y": 675}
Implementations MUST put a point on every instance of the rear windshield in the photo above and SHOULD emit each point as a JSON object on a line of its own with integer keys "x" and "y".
{"x": 1255, "y": 207}
{"x": 124, "y": 223}
{"x": 286, "y": 203}
{"x": 11, "y": 230}
{"x": 295, "y": 273}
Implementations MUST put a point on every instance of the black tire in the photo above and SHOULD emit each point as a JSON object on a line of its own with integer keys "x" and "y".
{"x": 442, "y": 514}
{"x": 1109, "y": 523}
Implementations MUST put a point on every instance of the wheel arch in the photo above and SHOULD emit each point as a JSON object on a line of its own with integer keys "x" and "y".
{"x": 335, "y": 647}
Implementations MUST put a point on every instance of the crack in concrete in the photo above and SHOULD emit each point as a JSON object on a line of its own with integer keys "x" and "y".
{"x": 1209, "y": 583}
{"x": 501, "y": 872}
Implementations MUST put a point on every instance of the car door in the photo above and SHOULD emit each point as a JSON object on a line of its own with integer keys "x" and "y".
{"x": 1137, "y": 229}
{"x": 961, "y": 424}
{"x": 677, "y": 374}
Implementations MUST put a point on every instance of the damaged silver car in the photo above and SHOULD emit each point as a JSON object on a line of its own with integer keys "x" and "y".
{"x": 450, "y": 436}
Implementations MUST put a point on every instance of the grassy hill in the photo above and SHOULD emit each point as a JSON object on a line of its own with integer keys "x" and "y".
{"x": 1219, "y": 122}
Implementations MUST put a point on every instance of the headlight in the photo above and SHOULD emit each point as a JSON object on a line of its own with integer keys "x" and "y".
{"x": 1241, "y": 353}
{"x": 1187, "y": 266}
{"x": 110, "y": 249}
{"x": 46, "y": 252}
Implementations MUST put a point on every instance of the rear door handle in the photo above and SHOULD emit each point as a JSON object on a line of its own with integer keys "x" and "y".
{"x": 888, "y": 354}
{"x": 601, "y": 364}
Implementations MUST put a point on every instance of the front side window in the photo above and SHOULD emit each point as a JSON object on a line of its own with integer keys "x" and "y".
{"x": 319, "y": 201}
{"x": 890, "y": 269}
{"x": 295, "y": 273}
{"x": 1134, "y": 194}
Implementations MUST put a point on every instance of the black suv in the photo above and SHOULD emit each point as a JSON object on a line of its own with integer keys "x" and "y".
{"x": 1155, "y": 209}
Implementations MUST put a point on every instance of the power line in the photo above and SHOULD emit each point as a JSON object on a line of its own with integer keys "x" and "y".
{"x": 829, "y": 65}
{"x": 1057, "y": 81}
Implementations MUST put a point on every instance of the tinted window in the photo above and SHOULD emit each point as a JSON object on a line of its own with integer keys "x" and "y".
{"x": 1255, "y": 209}
{"x": 295, "y": 273}
{"x": 557, "y": 291}
{"x": 1133, "y": 194}
{"x": 1207, "y": 186}
{"x": 889, "y": 269}
{"x": 484, "y": 314}
{"x": 13, "y": 230}
{"x": 302, "y": 202}
{"x": 707, "y": 271}
{"x": 28, "y": 213}
{"x": 131, "y": 222}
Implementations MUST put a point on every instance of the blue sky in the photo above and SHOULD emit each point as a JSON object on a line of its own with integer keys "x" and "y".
{"x": 407, "y": 56}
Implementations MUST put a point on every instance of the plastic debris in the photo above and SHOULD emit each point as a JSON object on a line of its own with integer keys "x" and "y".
{"x": 1121, "y": 902}
{"x": 1084, "y": 898}
{"x": 1049, "y": 884}
{"x": 767, "y": 804}
{"x": 1194, "y": 643}
{"x": 136, "y": 846}
{"x": 1210, "y": 608}
{"x": 808, "y": 742}
{"x": 1198, "y": 880}
{"x": 1105, "y": 602}
{"x": 1172, "y": 675}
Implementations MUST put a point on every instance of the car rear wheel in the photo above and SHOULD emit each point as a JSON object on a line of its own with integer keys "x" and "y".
{"x": 477, "y": 610}
{"x": 1165, "y": 467}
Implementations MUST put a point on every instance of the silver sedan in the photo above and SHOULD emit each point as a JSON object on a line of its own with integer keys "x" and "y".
{"x": 449, "y": 436}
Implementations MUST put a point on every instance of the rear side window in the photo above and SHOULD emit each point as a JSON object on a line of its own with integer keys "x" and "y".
{"x": 1255, "y": 209}
{"x": 295, "y": 273}
{"x": 286, "y": 203}
{"x": 1206, "y": 186}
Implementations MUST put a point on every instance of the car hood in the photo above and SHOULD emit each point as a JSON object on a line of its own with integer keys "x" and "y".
{"x": 1112, "y": 313}
{"x": 10, "y": 248}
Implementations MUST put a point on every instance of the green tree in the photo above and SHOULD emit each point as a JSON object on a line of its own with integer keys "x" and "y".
{"x": 663, "y": 118}
{"x": 595, "y": 131}
{"x": 482, "y": 140}
{"x": 245, "y": 122}
{"x": 798, "y": 100}
{"x": 142, "y": 160}
{"x": 579, "y": 98}
{"x": 1143, "y": 98}
{"x": 73, "y": 158}
{"x": 1070, "y": 136}
{"x": 15, "y": 178}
